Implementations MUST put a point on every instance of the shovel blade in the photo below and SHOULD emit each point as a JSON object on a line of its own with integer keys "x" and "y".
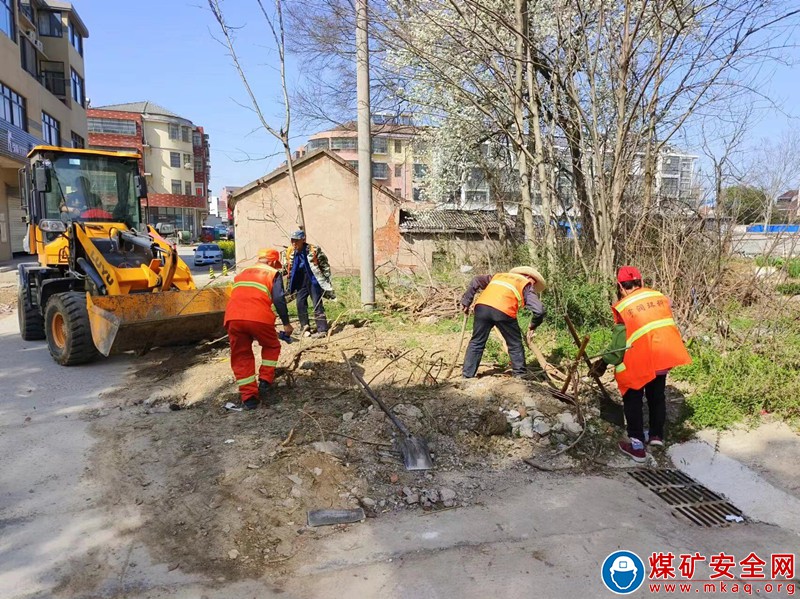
{"x": 415, "y": 452}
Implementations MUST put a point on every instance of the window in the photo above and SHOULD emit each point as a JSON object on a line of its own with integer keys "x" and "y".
{"x": 187, "y": 187}
{"x": 12, "y": 109}
{"x": 380, "y": 170}
{"x": 175, "y": 159}
{"x": 174, "y": 131}
{"x": 75, "y": 38}
{"x": 344, "y": 143}
{"x": 420, "y": 170}
{"x": 199, "y": 189}
{"x": 186, "y": 134}
{"x": 397, "y": 192}
{"x": 50, "y": 23}
{"x": 78, "y": 141}
{"x": 78, "y": 90}
{"x": 196, "y": 139}
{"x": 316, "y": 144}
{"x": 380, "y": 145}
{"x": 51, "y": 130}
{"x": 353, "y": 164}
{"x": 198, "y": 166}
{"x": 7, "y": 17}
{"x": 111, "y": 126}
{"x": 187, "y": 159}
{"x": 398, "y": 170}
{"x": 176, "y": 187}
{"x": 27, "y": 54}
{"x": 398, "y": 146}
{"x": 417, "y": 194}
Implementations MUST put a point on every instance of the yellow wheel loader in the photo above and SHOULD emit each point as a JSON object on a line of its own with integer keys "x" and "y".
{"x": 104, "y": 283}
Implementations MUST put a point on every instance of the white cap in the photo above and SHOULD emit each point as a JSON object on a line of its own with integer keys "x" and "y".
{"x": 623, "y": 564}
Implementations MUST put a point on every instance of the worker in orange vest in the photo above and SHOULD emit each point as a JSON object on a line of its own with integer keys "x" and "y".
{"x": 501, "y": 298}
{"x": 646, "y": 344}
{"x": 249, "y": 317}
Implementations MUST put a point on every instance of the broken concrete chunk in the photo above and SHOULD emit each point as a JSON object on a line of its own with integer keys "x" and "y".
{"x": 329, "y": 447}
{"x": 526, "y": 428}
{"x": 412, "y": 499}
{"x": 573, "y": 428}
{"x": 296, "y": 492}
{"x": 295, "y": 479}
{"x": 328, "y": 517}
{"x": 566, "y": 417}
{"x": 368, "y": 501}
{"x": 317, "y": 471}
{"x": 447, "y": 494}
{"x": 540, "y": 427}
{"x": 233, "y": 554}
{"x": 347, "y": 416}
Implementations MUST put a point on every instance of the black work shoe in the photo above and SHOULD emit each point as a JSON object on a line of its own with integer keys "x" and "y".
{"x": 263, "y": 389}
{"x": 250, "y": 404}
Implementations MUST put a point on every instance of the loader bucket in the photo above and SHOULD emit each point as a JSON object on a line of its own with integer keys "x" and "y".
{"x": 140, "y": 321}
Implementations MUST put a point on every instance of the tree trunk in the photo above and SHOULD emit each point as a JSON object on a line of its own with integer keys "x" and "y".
{"x": 519, "y": 125}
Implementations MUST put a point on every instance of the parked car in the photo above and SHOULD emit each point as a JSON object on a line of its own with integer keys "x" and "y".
{"x": 207, "y": 253}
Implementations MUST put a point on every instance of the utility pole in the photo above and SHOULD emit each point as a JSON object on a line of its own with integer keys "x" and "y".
{"x": 364, "y": 158}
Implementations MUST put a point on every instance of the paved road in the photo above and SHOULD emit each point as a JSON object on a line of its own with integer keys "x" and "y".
{"x": 545, "y": 536}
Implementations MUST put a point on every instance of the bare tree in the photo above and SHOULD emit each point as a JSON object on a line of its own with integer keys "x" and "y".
{"x": 276, "y": 27}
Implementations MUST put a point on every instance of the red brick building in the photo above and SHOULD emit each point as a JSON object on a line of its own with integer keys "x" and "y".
{"x": 175, "y": 158}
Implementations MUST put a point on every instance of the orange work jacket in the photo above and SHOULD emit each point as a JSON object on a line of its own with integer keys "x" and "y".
{"x": 505, "y": 292}
{"x": 251, "y": 297}
{"x": 653, "y": 340}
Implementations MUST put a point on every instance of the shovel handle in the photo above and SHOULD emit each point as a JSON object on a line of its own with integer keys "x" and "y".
{"x": 371, "y": 395}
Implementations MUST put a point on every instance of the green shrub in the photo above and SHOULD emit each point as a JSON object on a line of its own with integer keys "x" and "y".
{"x": 793, "y": 268}
{"x": 788, "y": 288}
{"x": 732, "y": 385}
{"x": 228, "y": 249}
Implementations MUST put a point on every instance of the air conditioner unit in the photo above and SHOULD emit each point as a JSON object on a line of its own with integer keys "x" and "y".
{"x": 30, "y": 34}
{"x": 188, "y": 166}
{"x": 148, "y": 174}
{"x": 39, "y": 45}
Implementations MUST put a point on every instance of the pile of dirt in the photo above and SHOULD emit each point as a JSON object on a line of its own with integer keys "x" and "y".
{"x": 8, "y": 298}
{"x": 227, "y": 493}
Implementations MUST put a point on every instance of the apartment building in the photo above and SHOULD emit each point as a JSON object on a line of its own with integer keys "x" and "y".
{"x": 393, "y": 163}
{"x": 175, "y": 158}
{"x": 42, "y": 95}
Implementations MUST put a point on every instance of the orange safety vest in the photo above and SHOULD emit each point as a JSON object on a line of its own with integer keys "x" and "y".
{"x": 251, "y": 297}
{"x": 505, "y": 292}
{"x": 653, "y": 340}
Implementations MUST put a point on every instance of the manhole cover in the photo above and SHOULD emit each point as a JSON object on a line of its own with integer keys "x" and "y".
{"x": 688, "y": 498}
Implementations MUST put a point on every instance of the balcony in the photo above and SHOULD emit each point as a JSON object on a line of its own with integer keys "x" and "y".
{"x": 53, "y": 79}
{"x": 26, "y": 11}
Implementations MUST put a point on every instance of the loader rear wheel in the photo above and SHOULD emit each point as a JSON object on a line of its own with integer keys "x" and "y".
{"x": 69, "y": 335}
{"x": 31, "y": 321}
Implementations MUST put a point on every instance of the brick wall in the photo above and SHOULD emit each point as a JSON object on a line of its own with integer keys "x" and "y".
{"x": 168, "y": 200}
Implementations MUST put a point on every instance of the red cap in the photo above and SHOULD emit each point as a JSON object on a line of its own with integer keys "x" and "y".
{"x": 269, "y": 255}
{"x": 628, "y": 273}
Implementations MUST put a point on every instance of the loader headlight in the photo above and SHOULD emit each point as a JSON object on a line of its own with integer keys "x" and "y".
{"x": 52, "y": 226}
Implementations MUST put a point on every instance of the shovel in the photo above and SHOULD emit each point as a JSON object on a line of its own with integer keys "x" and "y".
{"x": 415, "y": 452}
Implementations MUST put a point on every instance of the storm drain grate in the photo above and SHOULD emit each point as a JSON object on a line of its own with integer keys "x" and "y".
{"x": 688, "y": 498}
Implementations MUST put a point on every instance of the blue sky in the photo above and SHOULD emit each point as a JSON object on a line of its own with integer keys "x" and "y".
{"x": 163, "y": 51}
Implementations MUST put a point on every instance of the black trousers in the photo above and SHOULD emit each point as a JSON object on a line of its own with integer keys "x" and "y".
{"x": 656, "y": 404}
{"x": 308, "y": 288}
{"x": 486, "y": 318}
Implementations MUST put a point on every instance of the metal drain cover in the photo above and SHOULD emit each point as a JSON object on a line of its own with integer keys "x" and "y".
{"x": 686, "y": 497}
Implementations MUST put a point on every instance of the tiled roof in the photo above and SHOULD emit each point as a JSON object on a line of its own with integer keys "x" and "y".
{"x": 140, "y": 108}
{"x": 453, "y": 221}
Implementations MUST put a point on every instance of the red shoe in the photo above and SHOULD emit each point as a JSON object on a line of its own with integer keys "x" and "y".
{"x": 656, "y": 442}
{"x": 634, "y": 450}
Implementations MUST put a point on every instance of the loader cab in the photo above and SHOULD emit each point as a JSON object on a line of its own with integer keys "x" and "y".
{"x": 72, "y": 185}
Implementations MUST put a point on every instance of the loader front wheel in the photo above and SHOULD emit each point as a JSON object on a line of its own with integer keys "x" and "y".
{"x": 69, "y": 335}
{"x": 31, "y": 321}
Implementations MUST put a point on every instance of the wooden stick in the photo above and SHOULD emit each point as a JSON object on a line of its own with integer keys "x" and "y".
{"x": 573, "y": 369}
{"x": 573, "y": 331}
{"x": 460, "y": 345}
